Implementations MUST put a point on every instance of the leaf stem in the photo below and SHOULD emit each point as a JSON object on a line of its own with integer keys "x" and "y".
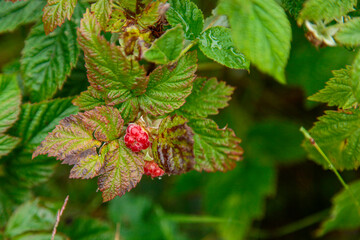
{"x": 331, "y": 166}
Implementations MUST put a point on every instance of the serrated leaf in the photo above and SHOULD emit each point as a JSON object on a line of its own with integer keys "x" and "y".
{"x": 168, "y": 87}
{"x": 12, "y": 15}
{"x": 37, "y": 120}
{"x": 316, "y": 10}
{"x": 55, "y": 13}
{"x": 48, "y": 59}
{"x": 255, "y": 30}
{"x": 337, "y": 133}
{"x": 293, "y": 6}
{"x": 30, "y": 217}
{"x": 355, "y": 77}
{"x": 166, "y": 48}
{"x": 345, "y": 213}
{"x": 215, "y": 149}
{"x": 216, "y": 43}
{"x": 7, "y": 144}
{"x": 150, "y": 15}
{"x": 102, "y": 11}
{"x": 187, "y": 14}
{"x": 22, "y": 172}
{"x": 134, "y": 6}
{"x": 77, "y": 136}
{"x": 338, "y": 90}
{"x": 207, "y": 97}
{"x": 173, "y": 148}
{"x": 106, "y": 64}
{"x": 122, "y": 172}
{"x": 89, "y": 99}
{"x": 38, "y": 236}
{"x": 349, "y": 33}
{"x": 10, "y": 99}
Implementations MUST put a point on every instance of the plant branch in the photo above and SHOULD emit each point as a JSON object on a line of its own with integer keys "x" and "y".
{"x": 331, "y": 166}
{"x": 60, "y": 212}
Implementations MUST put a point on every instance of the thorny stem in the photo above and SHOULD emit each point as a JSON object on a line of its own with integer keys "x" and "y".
{"x": 331, "y": 166}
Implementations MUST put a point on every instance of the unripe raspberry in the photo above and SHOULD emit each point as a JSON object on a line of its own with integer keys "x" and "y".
{"x": 152, "y": 169}
{"x": 136, "y": 138}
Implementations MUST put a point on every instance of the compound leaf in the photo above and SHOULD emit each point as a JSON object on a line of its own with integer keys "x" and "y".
{"x": 338, "y": 90}
{"x": 215, "y": 149}
{"x": 166, "y": 48}
{"x": 344, "y": 212}
{"x": 216, "y": 43}
{"x": 187, "y": 14}
{"x": 173, "y": 147}
{"x": 255, "y": 31}
{"x": 10, "y": 99}
{"x": 316, "y": 10}
{"x": 122, "y": 171}
{"x": 207, "y": 97}
{"x": 338, "y": 134}
{"x": 349, "y": 33}
{"x": 169, "y": 86}
{"x": 48, "y": 59}
{"x": 77, "y": 136}
{"x": 19, "y": 13}
{"x": 102, "y": 11}
{"x": 106, "y": 64}
{"x": 55, "y": 13}
{"x": 89, "y": 99}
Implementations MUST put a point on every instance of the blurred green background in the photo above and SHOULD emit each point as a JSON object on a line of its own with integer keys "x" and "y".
{"x": 274, "y": 193}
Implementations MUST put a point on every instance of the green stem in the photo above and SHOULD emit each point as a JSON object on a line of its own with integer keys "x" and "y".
{"x": 290, "y": 228}
{"x": 331, "y": 166}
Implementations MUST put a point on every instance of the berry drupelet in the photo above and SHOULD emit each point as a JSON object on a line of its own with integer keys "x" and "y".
{"x": 136, "y": 138}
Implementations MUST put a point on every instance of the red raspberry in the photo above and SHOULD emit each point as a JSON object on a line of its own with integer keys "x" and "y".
{"x": 152, "y": 169}
{"x": 136, "y": 138}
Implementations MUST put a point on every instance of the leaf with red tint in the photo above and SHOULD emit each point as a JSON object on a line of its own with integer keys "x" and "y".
{"x": 122, "y": 171}
{"x": 55, "y": 13}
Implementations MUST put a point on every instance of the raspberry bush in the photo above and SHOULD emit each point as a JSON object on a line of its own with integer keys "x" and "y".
{"x": 118, "y": 89}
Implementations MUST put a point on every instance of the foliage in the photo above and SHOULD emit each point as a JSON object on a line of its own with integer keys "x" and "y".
{"x": 153, "y": 62}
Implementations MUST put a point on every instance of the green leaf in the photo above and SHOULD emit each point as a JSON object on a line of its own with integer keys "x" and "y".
{"x": 102, "y": 11}
{"x": 168, "y": 87}
{"x": 173, "y": 148}
{"x": 37, "y": 120}
{"x": 6, "y": 208}
{"x": 316, "y": 10}
{"x": 338, "y": 90}
{"x": 244, "y": 198}
{"x": 215, "y": 149}
{"x": 89, "y": 99}
{"x": 23, "y": 172}
{"x": 30, "y": 217}
{"x": 123, "y": 170}
{"x": 293, "y": 6}
{"x": 166, "y": 48}
{"x": 216, "y": 44}
{"x": 48, "y": 59}
{"x": 207, "y": 97}
{"x": 349, "y": 33}
{"x": 7, "y": 144}
{"x": 337, "y": 133}
{"x": 134, "y": 6}
{"x": 345, "y": 213}
{"x": 187, "y": 14}
{"x": 150, "y": 15}
{"x": 89, "y": 229}
{"x": 12, "y": 15}
{"x": 55, "y": 13}
{"x": 355, "y": 77}
{"x": 10, "y": 99}
{"x": 255, "y": 31}
{"x": 77, "y": 137}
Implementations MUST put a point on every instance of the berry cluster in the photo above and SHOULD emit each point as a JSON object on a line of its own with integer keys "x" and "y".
{"x": 136, "y": 138}
{"x": 152, "y": 169}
